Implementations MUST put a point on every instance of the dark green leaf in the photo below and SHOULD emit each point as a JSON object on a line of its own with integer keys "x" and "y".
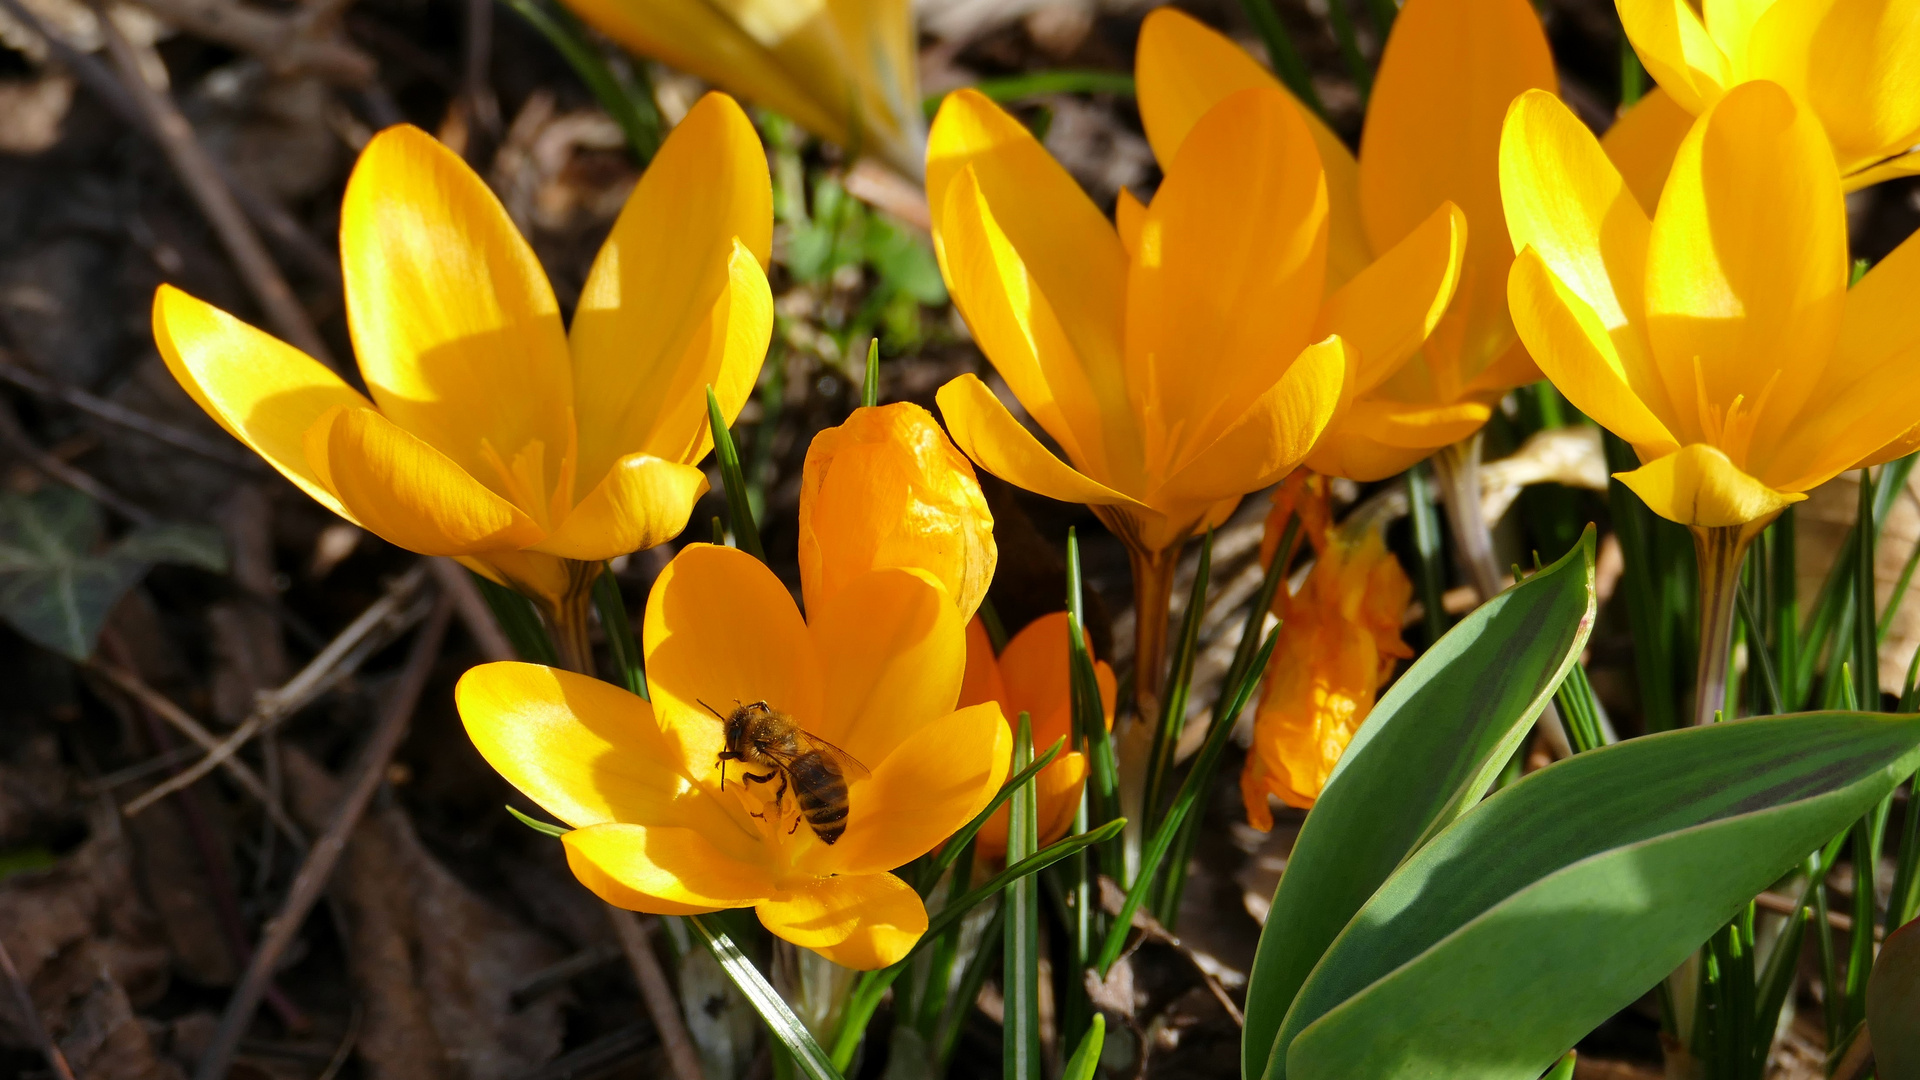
{"x": 1020, "y": 975}
{"x": 1086, "y": 1058}
{"x": 1563, "y": 898}
{"x": 1427, "y": 752}
{"x": 746, "y": 535}
{"x": 612, "y": 608}
{"x": 780, "y": 1019}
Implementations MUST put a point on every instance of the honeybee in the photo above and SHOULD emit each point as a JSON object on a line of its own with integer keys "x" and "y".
{"x": 817, "y": 770}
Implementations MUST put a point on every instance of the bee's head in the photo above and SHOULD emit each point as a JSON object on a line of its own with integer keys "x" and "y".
{"x": 736, "y": 726}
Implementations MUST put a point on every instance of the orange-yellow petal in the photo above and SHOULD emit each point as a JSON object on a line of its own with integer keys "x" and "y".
{"x": 892, "y": 651}
{"x": 265, "y": 392}
{"x": 983, "y": 428}
{"x": 885, "y": 489}
{"x": 456, "y": 329}
{"x": 933, "y": 783}
{"x": 1056, "y": 793}
{"x": 640, "y": 503}
{"x": 677, "y": 299}
{"x": 1379, "y": 438}
{"x": 1642, "y": 142}
{"x": 721, "y": 629}
{"x": 982, "y": 682}
{"x": 1039, "y": 682}
{"x": 864, "y": 922}
{"x": 589, "y": 752}
{"x": 1699, "y": 486}
{"x": 1390, "y": 307}
{"x": 406, "y": 492}
{"x": 663, "y": 870}
{"x": 1679, "y": 53}
{"x": 1747, "y": 270}
{"x": 1272, "y": 436}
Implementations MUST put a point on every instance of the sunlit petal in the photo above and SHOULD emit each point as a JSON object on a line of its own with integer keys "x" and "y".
{"x": 1641, "y": 144}
{"x": 983, "y": 428}
{"x": 662, "y": 870}
{"x": 892, "y": 650}
{"x": 1272, "y": 436}
{"x": 640, "y": 503}
{"x": 863, "y": 922}
{"x": 1699, "y": 486}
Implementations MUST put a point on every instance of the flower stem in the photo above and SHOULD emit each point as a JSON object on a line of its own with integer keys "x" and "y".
{"x": 567, "y": 618}
{"x": 1457, "y": 468}
{"x": 1720, "y": 551}
{"x": 1152, "y": 599}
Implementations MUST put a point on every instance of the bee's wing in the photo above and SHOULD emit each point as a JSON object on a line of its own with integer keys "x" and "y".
{"x": 849, "y": 764}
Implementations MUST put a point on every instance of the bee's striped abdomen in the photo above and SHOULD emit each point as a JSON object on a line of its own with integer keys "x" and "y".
{"x": 821, "y": 792}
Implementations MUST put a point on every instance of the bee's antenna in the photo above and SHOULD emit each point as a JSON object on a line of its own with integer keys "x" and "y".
{"x": 711, "y": 709}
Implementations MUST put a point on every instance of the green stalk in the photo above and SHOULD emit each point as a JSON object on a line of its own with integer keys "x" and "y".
{"x": 1579, "y": 710}
{"x": 1429, "y": 571}
{"x": 1647, "y": 584}
{"x": 1086, "y": 1055}
{"x": 1285, "y": 58}
{"x": 1089, "y": 718}
{"x": 1866, "y": 642}
{"x": 519, "y": 620}
{"x": 1784, "y": 607}
{"x": 1343, "y": 34}
{"x": 870, "y": 386}
{"x": 628, "y": 101}
{"x": 1757, "y": 649}
{"x": 1020, "y": 967}
{"x": 1173, "y": 707}
{"x": 1632, "y": 77}
{"x": 625, "y": 651}
{"x": 745, "y": 533}
{"x": 1899, "y": 593}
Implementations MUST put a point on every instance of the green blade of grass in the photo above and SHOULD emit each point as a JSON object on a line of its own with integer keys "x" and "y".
{"x": 1179, "y": 685}
{"x": 1020, "y": 968}
{"x": 939, "y": 863}
{"x": 519, "y": 621}
{"x": 619, "y": 629}
{"x": 745, "y": 533}
{"x": 870, "y": 386}
{"x": 785, "y": 1027}
{"x": 1086, "y": 1057}
{"x": 1286, "y": 60}
{"x": 629, "y": 102}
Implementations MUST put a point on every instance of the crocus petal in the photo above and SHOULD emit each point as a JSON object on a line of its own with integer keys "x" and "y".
{"x": 864, "y": 923}
{"x": 455, "y": 326}
{"x": 1857, "y": 57}
{"x": 663, "y": 870}
{"x": 1892, "y": 169}
{"x": 408, "y": 493}
{"x": 1870, "y": 394}
{"x": 641, "y": 502}
{"x": 982, "y": 682}
{"x": 1129, "y": 214}
{"x": 721, "y": 629}
{"x": 532, "y": 574}
{"x": 1747, "y": 269}
{"x": 677, "y": 299}
{"x": 988, "y": 433}
{"x": 1038, "y": 681}
{"x": 1390, "y": 307}
{"x": 1228, "y": 282}
{"x": 892, "y": 650}
{"x": 1184, "y": 68}
{"x": 1056, "y": 799}
{"x": 1449, "y": 70}
{"x": 1700, "y": 486}
{"x": 265, "y": 392}
{"x": 1272, "y": 436}
{"x": 1567, "y": 340}
{"x": 1674, "y": 45}
{"x": 1054, "y": 244}
{"x": 589, "y": 752}
{"x": 933, "y": 783}
{"x": 1380, "y": 438}
{"x": 1642, "y": 142}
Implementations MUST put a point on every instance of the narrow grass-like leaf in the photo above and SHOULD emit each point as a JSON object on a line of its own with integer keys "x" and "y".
{"x": 745, "y": 533}
{"x": 1563, "y": 1069}
{"x": 1580, "y": 711}
{"x": 1657, "y": 582}
{"x": 1757, "y": 648}
{"x": 545, "y": 827}
{"x": 786, "y": 1027}
{"x": 1357, "y": 67}
{"x": 1046, "y": 857}
{"x": 1900, "y": 587}
{"x": 619, "y": 629}
{"x": 1904, "y": 901}
{"x": 939, "y": 863}
{"x": 519, "y": 621}
{"x": 1605, "y": 871}
{"x": 870, "y": 386}
{"x": 1282, "y": 54}
{"x": 1086, "y": 1057}
{"x": 1429, "y": 571}
{"x": 1426, "y": 753}
{"x": 1020, "y": 970}
{"x": 1866, "y": 650}
{"x": 1089, "y": 716}
{"x": 628, "y": 101}
{"x": 1179, "y": 685}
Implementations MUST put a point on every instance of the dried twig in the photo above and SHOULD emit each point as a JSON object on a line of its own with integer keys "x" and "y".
{"x": 282, "y": 42}
{"x": 177, "y": 718}
{"x": 13, "y": 435}
{"x": 367, "y": 774}
{"x": 36, "y": 1029}
{"x": 133, "y": 420}
{"x": 204, "y": 182}
{"x": 662, "y": 1007}
{"x": 472, "y": 608}
{"x": 391, "y": 613}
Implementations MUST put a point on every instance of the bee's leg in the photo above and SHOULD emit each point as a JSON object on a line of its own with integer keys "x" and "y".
{"x": 763, "y": 778}
{"x": 795, "y": 827}
{"x": 782, "y": 793}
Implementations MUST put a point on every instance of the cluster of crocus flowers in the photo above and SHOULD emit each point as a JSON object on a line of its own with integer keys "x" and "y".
{"x": 846, "y": 70}
{"x": 1192, "y": 351}
{"x": 1339, "y": 642}
{"x": 1031, "y": 675}
{"x": 874, "y": 671}
{"x": 1430, "y": 140}
{"x": 494, "y": 434}
{"x": 1719, "y": 338}
{"x": 1851, "y": 62}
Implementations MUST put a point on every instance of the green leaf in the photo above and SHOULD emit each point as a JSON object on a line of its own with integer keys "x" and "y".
{"x": 57, "y": 589}
{"x": 1561, "y": 899}
{"x": 1086, "y": 1058}
{"x": 1893, "y": 1004}
{"x": 629, "y": 101}
{"x": 1562, "y": 1069}
{"x": 1033, "y": 864}
{"x": 1426, "y": 753}
{"x": 958, "y": 841}
{"x": 625, "y": 651}
{"x": 519, "y": 621}
{"x": 780, "y": 1019}
{"x": 745, "y": 533}
{"x": 547, "y": 828}
{"x": 1020, "y": 977}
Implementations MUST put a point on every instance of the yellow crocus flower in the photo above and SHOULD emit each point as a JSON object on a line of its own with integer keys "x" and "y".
{"x": 1181, "y": 357}
{"x": 1430, "y": 140}
{"x": 1851, "y": 61}
{"x": 493, "y": 434}
{"x": 885, "y": 489}
{"x": 1719, "y": 338}
{"x": 1031, "y": 675}
{"x": 846, "y": 70}
{"x": 874, "y": 671}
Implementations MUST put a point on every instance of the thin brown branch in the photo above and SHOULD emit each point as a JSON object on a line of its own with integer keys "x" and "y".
{"x": 36, "y": 1028}
{"x": 14, "y": 436}
{"x": 281, "y": 42}
{"x": 203, "y": 180}
{"x": 385, "y": 617}
{"x": 662, "y": 1007}
{"x": 133, "y": 420}
{"x": 178, "y": 719}
{"x": 367, "y": 774}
